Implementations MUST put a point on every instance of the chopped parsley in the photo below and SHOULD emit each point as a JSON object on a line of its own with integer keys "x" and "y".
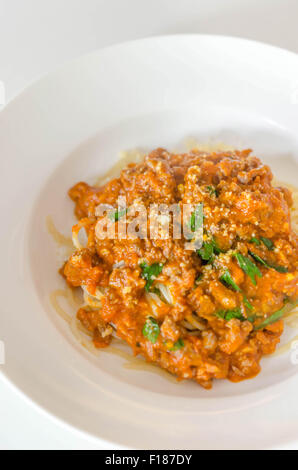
{"x": 248, "y": 267}
{"x": 234, "y": 313}
{"x": 216, "y": 248}
{"x": 178, "y": 345}
{"x": 151, "y": 329}
{"x": 156, "y": 290}
{"x": 259, "y": 259}
{"x": 208, "y": 250}
{"x": 251, "y": 318}
{"x": 196, "y": 218}
{"x": 227, "y": 279}
{"x": 277, "y": 315}
{"x": 229, "y": 314}
{"x": 198, "y": 279}
{"x": 150, "y": 273}
{"x": 212, "y": 191}
{"x": 255, "y": 240}
{"x": 116, "y": 215}
{"x": 280, "y": 269}
{"x": 247, "y": 303}
{"x": 268, "y": 243}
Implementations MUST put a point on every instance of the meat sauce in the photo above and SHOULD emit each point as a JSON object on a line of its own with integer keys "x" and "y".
{"x": 222, "y": 316}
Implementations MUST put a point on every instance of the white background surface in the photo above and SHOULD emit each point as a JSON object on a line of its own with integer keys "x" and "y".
{"x": 37, "y": 36}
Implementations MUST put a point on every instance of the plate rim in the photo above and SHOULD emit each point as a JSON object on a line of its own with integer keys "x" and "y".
{"x": 51, "y": 74}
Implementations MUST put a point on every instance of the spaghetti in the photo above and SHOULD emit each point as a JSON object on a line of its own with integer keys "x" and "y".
{"x": 204, "y": 315}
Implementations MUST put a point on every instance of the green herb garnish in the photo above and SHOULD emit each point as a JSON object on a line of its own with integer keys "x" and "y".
{"x": 248, "y": 267}
{"x": 150, "y": 273}
{"x": 216, "y": 248}
{"x": 151, "y": 330}
{"x": 156, "y": 290}
{"x": 116, "y": 215}
{"x": 277, "y": 315}
{"x": 178, "y": 345}
{"x": 229, "y": 314}
{"x": 196, "y": 218}
{"x": 247, "y": 303}
{"x": 206, "y": 252}
{"x": 227, "y": 279}
{"x": 198, "y": 279}
{"x": 280, "y": 269}
{"x": 255, "y": 240}
{"x": 259, "y": 259}
{"x": 268, "y": 243}
{"x": 234, "y": 313}
{"x": 212, "y": 191}
{"x": 251, "y": 318}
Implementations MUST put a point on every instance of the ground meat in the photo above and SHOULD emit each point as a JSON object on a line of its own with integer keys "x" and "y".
{"x": 173, "y": 305}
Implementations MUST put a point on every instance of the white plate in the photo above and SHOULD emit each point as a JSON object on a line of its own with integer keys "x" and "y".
{"x": 70, "y": 126}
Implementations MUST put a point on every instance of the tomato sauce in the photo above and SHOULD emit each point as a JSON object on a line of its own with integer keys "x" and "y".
{"x": 221, "y": 313}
